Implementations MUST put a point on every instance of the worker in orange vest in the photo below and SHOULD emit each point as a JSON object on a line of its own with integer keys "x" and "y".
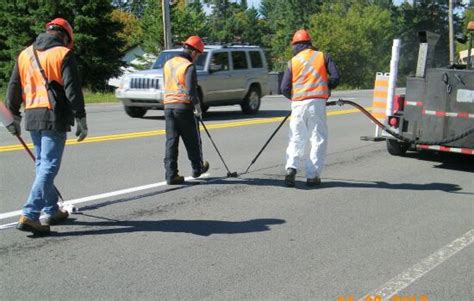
{"x": 46, "y": 82}
{"x": 180, "y": 98}
{"x": 307, "y": 82}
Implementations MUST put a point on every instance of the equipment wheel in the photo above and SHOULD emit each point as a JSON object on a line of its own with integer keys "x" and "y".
{"x": 397, "y": 148}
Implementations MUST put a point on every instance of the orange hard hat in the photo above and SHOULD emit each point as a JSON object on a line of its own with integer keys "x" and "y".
{"x": 196, "y": 43}
{"x": 66, "y": 27}
{"x": 300, "y": 36}
{"x": 470, "y": 26}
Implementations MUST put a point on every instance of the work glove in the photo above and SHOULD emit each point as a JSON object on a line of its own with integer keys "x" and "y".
{"x": 15, "y": 127}
{"x": 198, "y": 111}
{"x": 81, "y": 129}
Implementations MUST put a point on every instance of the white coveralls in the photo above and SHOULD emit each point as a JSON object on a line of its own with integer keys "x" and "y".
{"x": 308, "y": 123}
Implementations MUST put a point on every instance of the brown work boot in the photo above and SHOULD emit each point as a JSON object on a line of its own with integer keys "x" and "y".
{"x": 312, "y": 182}
{"x": 28, "y": 225}
{"x": 204, "y": 169}
{"x": 176, "y": 180}
{"x": 57, "y": 218}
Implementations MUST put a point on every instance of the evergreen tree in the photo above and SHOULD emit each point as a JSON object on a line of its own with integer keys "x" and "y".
{"x": 358, "y": 37}
{"x": 281, "y": 19}
{"x": 187, "y": 20}
{"x": 18, "y": 29}
{"x": 423, "y": 15}
{"x": 152, "y": 27}
{"x": 96, "y": 45}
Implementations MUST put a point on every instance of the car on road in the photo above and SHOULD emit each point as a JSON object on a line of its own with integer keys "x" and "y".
{"x": 227, "y": 75}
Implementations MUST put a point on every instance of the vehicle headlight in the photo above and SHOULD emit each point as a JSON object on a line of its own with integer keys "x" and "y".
{"x": 125, "y": 83}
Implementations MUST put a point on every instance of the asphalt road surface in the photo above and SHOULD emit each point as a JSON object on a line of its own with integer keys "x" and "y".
{"x": 379, "y": 225}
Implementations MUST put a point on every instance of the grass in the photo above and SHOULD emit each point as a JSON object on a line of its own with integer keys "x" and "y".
{"x": 89, "y": 97}
{"x": 99, "y": 97}
{"x": 3, "y": 92}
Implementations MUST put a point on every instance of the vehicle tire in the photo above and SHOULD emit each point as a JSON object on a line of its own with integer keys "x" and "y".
{"x": 252, "y": 101}
{"x": 135, "y": 112}
{"x": 397, "y": 148}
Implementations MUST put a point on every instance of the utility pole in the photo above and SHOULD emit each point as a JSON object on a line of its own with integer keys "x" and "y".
{"x": 165, "y": 5}
{"x": 451, "y": 33}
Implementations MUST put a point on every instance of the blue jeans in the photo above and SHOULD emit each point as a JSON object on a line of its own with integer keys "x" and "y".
{"x": 49, "y": 147}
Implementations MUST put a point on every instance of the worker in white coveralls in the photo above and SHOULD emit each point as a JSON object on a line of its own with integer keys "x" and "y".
{"x": 307, "y": 82}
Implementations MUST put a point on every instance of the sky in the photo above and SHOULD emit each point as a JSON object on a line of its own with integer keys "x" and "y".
{"x": 256, "y": 3}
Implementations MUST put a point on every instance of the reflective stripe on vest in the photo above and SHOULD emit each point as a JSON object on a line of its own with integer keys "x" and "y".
{"x": 310, "y": 79}
{"x": 175, "y": 81}
{"x": 33, "y": 85}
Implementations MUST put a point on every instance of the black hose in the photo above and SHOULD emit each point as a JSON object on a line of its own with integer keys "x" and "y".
{"x": 341, "y": 102}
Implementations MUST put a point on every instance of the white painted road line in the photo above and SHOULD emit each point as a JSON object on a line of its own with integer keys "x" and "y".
{"x": 102, "y": 196}
{"x": 403, "y": 280}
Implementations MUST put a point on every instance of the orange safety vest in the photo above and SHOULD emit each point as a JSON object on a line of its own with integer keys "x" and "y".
{"x": 33, "y": 86}
{"x": 310, "y": 78}
{"x": 175, "y": 82}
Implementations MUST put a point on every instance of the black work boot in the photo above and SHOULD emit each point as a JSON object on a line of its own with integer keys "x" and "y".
{"x": 312, "y": 182}
{"x": 28, "y": 225}
{"x": 204, "y": 169}
{"x": 59, "y": 217}
{"x": 290, "y": 177}
{"x": 176, "y": 180}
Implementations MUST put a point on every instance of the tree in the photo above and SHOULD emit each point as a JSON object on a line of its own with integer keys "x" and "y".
{"x": 221, "y": 21}
{"x": 281, "y": 19}
{"x": 468, "y": 16}
{"x": 152, "y": 26}
{"x": 135, "y": 7}
{"x": 423, "y": 15}
{"x": 96, "y": 45}
{"x": 131, "y": 32}
{"x": 17, "y": 30}
{"x": 187, "y": 20}
{"x": 358, "y": 36}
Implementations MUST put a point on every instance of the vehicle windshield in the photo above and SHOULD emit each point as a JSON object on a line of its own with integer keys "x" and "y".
{"x": 164, "y": 56}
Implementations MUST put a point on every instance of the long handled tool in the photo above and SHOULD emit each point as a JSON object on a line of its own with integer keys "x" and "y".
{"x": 7, "y": 119}
{"x": 229, "y": 174}
{"x": 33, "y": 158}
{"x": 268, "y": 141}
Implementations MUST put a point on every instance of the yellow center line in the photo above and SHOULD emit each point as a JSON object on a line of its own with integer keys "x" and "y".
{"x": 16, "y": 147}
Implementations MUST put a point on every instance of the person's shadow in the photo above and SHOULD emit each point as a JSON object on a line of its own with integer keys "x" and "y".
{"x": 343, "y": 183}
{"x": 196, "y": 227}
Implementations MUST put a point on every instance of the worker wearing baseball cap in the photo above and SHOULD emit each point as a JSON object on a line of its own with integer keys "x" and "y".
{"x": 180, "y": 99}
{"x": 46, "y": 82}
{"x": 307, "y": 82}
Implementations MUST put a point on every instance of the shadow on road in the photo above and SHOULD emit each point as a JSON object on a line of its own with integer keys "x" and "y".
{"x": 212, "y": 115}
{"x": 196, "y": 227}
{"x": 446, "y": 187}
{"x": 300, "y": 185}
{"x": 451, "y": 161}
{"x": 342, "y": 183}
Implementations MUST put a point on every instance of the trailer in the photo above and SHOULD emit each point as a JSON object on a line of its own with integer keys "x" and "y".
{"x": 437, "y": 111}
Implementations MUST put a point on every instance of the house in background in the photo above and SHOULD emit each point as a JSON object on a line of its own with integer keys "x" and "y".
{"x": 135, "y": 59}
{"x": 463, "y": 56}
